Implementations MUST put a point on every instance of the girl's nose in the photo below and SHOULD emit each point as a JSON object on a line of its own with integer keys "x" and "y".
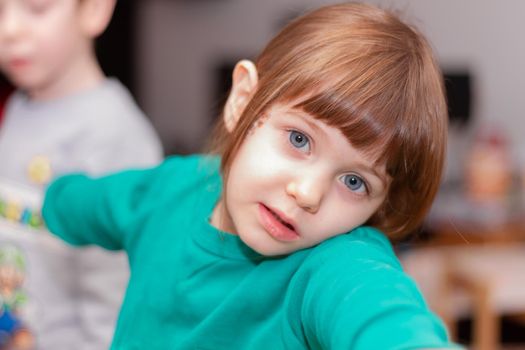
{"x": 308, "y": 192}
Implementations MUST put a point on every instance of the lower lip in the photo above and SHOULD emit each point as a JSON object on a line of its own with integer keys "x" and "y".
{"x": 274, "y": 227}
{"x": 19, "y": 64}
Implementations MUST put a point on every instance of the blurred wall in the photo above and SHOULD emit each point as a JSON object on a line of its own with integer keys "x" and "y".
{"x": 179, "y": 44}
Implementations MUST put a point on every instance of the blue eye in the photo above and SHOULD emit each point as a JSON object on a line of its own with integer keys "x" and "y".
{"x": 355, "y": 183}
{"x": 299, "y": 140}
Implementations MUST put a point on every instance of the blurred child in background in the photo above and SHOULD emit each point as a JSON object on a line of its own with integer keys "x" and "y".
{"x": 66, "y": 116}
{"x": 332, "y": 144}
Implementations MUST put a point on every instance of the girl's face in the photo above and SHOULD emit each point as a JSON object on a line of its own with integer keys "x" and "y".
{"x": 40, "y": 41}
{"x": 296, "y": 182}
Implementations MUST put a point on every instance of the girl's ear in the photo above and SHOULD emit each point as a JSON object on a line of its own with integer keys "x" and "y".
{"x": 95, "y": 16}
{"x": 244, "y": 85}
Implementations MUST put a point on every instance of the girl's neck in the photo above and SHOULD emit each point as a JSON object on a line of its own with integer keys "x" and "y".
{"x": 220, "y": 218}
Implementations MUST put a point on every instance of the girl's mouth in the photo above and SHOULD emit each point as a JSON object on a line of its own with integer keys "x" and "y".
{"x": 276, "y": 226}
{"x": 18, "y": 63}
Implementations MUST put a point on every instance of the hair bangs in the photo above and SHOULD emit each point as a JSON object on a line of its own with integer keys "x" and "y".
{"x": 371, "y": 130}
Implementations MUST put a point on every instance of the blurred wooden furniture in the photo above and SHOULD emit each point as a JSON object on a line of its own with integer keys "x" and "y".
{"x": 473, "y": 270}
{"x": 493, "y": 277}
{"x": 476, "y": 233}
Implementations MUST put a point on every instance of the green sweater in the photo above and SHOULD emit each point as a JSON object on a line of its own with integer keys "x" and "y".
{"x": 194, "y": 287}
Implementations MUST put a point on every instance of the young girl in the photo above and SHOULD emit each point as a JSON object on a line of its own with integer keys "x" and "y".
{"x": 341, "y": 123}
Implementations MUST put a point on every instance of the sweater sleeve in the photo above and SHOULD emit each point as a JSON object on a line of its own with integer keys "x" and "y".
{"x": 358, "y": 297}
{"x": 82, "y": 210}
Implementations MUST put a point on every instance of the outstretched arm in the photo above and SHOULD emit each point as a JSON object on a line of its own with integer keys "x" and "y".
{"x": 83, "y": 210}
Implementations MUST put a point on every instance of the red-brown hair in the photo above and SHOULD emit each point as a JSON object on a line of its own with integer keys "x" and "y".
{"x": 361, "y": 69}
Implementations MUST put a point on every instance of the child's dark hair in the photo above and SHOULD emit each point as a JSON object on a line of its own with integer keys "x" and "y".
{"x": 360, "y": 69}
